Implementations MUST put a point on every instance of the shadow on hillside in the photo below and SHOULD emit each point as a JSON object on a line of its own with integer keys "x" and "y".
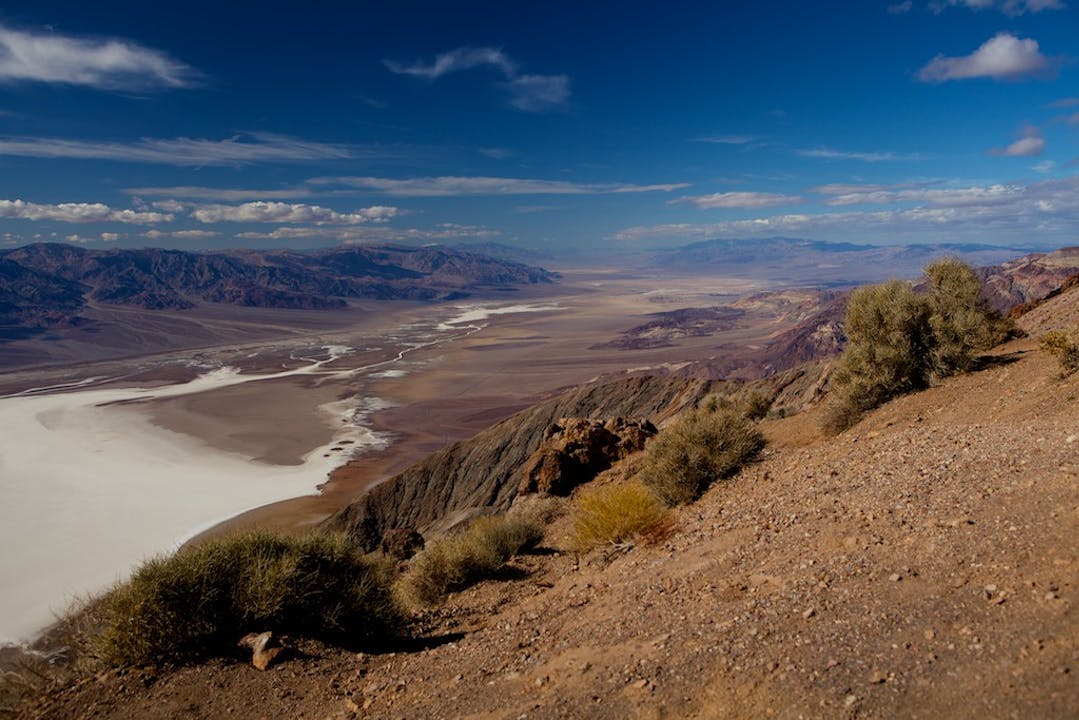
{"x": 984, "y": 362}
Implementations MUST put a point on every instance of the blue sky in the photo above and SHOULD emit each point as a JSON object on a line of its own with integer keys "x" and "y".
{"x": 545, "y": 125}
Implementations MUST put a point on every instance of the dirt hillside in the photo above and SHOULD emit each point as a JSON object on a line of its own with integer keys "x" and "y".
{"x": 923, "y": 564}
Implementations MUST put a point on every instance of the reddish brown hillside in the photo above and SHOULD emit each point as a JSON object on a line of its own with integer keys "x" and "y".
{"x": 923, "y": 564}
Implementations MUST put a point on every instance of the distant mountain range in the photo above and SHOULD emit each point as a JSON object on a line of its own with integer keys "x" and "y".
{"x": 816, "y": 262}
{"x": 46, "y": 285}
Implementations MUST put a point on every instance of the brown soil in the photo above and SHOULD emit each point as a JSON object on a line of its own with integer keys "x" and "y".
{"x": 923, "y": 564}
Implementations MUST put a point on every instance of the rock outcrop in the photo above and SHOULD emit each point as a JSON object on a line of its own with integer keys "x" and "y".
{"x": 485, "y": 473}
{"x": 575, "y": 450}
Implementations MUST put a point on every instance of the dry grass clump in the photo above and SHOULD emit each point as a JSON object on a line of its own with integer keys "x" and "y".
{"x": 616, "y": 513}
{"x": 460, "y": 560}
{"x": 1064, "y": 348}
{"x": 200, "y": 601}
{"x": 899, "y": 340}
{"x": 696, "y": 450}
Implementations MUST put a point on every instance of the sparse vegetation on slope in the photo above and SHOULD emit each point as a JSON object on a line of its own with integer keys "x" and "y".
{"x": 900, "y": 340}
{"x": 698, "y": 449}
{"x": 200, "y": 601}
{"x": 1064, "y": 347}
{"x": 460, "y": 560}
{"x": 616, "y": 513}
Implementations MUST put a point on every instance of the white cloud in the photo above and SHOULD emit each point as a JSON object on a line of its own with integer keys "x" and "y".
{"x": 530, "y": 93}
{"x": 739, "y": 200}
{"x": 448, "y": 186}
{"x": 1011, "y": 8}
{"x": 107, "y": 64}
{"x": 727, "y": 139}
{"x": 181, "y": 234}
{"x": 279, "y": 212}
{"x": 538, "y": 93}
{"x": 941, "y": 197}
{"x": 443, "y": 231}
{"x": 195, "y": 192}
{"x": 259, "y": 148}
{"x": 78, "y": 213}
{"x": 110, "y": 237}
{"x": 900, "y": 8}
{"x": 1044, "y": 166}
{"x": 464, "y": 58}
{"x": 1029, "y": 146}
{"x": 495, "y": 153}
{"x": 830, "y": 154}
{"x": 1002, "y": 57}
{"x": 1048, "y": 208}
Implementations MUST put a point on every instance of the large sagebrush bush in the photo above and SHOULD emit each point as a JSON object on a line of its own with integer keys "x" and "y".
{"x": 696, "y": 450}
{"x": 201, "y": 600}
{"x": 900, "y": 340}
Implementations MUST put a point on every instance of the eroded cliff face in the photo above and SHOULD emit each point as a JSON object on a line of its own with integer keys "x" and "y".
{"x": 487, "y": 472}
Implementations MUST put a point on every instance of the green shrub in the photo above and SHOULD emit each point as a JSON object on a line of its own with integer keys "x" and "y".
{"x": 200, "y": 601}
{"x": 1064, "y": 348}
{"x": 899, "y": 341}
{"x": 961, "y": 322}
{"x": 460, "y": 560}
{"x": 696, "y": 450}
{"x": 611, "y": 514}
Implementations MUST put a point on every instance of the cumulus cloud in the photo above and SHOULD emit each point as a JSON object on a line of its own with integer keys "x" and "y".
{"x": 181, "y": 234}
{"x": 1002, "y": 57}
{"x": 443, "y": 231}
{"x": 106, "y": 64}
{"x": 196, "y": 192}
{"x": 830, "y": 154}
{"x": 1011, "y": 8}
{"x": 1047, "y": 208}
{"x": 447, "y": 186}
{"x": 279, "y": 212}
{"x": 78, "y": 213}
{"x": 237, "y": 150}
{"x": 530, "y": 93}
{"x": 739, "y": 200}
{"x": 940, "y": 197}
{"x": 1031, "y": 144}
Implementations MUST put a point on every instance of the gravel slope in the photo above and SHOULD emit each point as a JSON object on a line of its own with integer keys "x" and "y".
{"x": 923, "y": 564}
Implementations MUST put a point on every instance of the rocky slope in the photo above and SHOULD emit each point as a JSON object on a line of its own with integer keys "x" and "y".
{"x": 46, "y": 284}
{"x": 924, "y": 564}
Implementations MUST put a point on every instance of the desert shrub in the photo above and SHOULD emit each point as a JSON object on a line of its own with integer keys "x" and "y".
{"x": 899, "y": 340}
{"x": 614, "y": 514}
{"x": 460, "y": 560}
{"x": 961, "y": 322}
{"x": 201, "y": 600}
{"x": 696, "y": 450}
{"x": 753, "y": 404}
{"x": 1064, "y": 348}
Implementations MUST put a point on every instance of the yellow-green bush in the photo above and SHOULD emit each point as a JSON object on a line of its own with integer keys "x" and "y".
{"x": 460, "y": 560}
{"x": 696, "y": 450}
{"x": 201, "y": 600}
{"x": 611, "y": 514}
{"x": 1064, "y": 348}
